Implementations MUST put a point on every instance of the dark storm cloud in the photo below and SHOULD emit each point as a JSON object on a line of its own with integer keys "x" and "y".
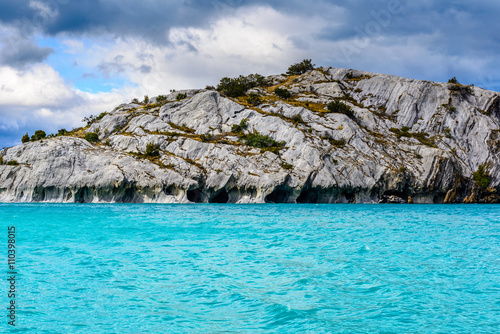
{"x": 455, "y": 28}
{"x": 19, "y": 52}
{"x": 24, "y": 54}
{"x": 457, "y": 19}
{"x": 148, "y": 19}
{"x": 453, "y": 19}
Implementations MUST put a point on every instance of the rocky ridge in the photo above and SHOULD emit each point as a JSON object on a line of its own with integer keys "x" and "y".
{"x": 407, "y": 140}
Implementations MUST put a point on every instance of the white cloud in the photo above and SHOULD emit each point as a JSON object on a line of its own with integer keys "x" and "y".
{"x": 39, "y": 98}
{"x": 73, "y": 46}
{"x": 247, "y": 40}
{"x": 40, "y": 85}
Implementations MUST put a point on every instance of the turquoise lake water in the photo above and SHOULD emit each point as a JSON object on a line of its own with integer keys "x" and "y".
{"x": 208, "y": 268}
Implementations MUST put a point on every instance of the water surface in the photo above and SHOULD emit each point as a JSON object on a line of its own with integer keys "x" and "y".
{"x": 208, "y": 268}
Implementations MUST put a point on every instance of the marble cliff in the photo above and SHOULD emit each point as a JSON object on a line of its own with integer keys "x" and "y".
{"x": 400, "y": 140}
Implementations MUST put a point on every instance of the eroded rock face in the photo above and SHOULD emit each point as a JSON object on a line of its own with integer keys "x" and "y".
{"x": 407, "y": 139}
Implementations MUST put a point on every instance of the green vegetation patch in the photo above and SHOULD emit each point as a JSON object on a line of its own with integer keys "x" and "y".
{"x": 334, "y": 142}
{"x": 25, "y": 138}
{"x": 422, "y": 137}
{"x": 152, "y": 150}
{"x": 234, "y": 87}
{"x": 93, "y": 119}
{"x": 181, "y": 96}
{"x": 161, "y": 98}
{"x": 340, "y": 107}
{"x": 282, "y": 93}
{"x": 92, "y": 137}
{"x": 39, "y": 134}
{"x": 181, "y": 127}
{"x": 241, "y": 127}
{"x": 481, "y": 177}
{"x": 253, "y": 99}
{"x": 286, "y": 165}
{"x": 304, "y": 66}
{"x": 264, "y": 142}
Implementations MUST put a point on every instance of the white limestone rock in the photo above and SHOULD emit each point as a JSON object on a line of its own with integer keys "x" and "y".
{"x": 444, "y": 133}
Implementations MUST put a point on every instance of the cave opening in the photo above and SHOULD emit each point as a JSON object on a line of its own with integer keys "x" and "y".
{"x": 401, "y": 194}
{"x": 81, "y": 194}
{"x": 220, "y": 197}
{"x": 350, "y": 197}
{"x": 279, "y": 195}
{"x": 195, "y": 195}
{"x": 129, "y": 195}
{"x": 308, "y": 196}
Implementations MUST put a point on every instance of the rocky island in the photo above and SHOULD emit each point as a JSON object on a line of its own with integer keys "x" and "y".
{"x": 316, "y": 135}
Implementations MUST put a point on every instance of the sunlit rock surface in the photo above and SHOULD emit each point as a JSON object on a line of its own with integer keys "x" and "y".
{"x": 408, "y": 138}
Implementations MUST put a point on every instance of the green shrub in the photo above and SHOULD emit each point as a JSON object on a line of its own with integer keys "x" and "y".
{"x": 481, "y": 177}
{"x": 39, "y": 134}
{"x": 297, "y": 119}
{"x": 234, "y": 87}
{"x": 152, "y": 150}
{"x": 161, "y": 98}
{"x": 300, "y": 68}
{"x": 253, "y": 99}
{"x": 62, "y": 132}
{"x": 340, "y": 107}
{"x": 239, "y": 128}
{"x": 12, "y": 163}
{"x": 286, "y": 165}
{"x": 26, "y": 138}
{"x": 135, "y": 101}
{"x": 337, "y": 142}
{"x": 264, "y": 142}
{"x": 92, "y": 137}
{"x": 282, "y": 93}
{"x": 146, "y": 99}
{"x": 422, "y": 137}
{"x": 181, "y": 127}
{"x": 256, "y": 80}
{"x": 208, "y": 137}
{"x": 403, "y": 132}
{"x": 92, "y": 119}
{"x": 181, "y": 96}
{"x": 1, "y": 160}
{"x": 457, "y": 87}
{"x": 468, "y": 89}
{"x": 334, "y": 142}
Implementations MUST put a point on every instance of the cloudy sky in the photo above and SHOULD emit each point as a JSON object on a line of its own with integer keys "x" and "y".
{"x": 61, "y": 60}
